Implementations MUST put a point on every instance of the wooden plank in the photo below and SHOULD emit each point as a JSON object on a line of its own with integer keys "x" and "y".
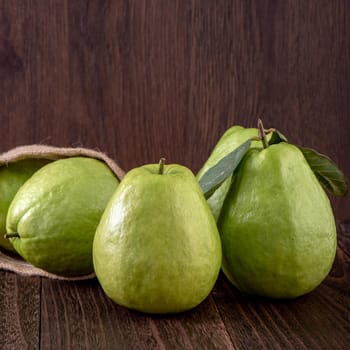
{"x": 33, "y": 72}
{"x": 20, "y": 311}
{"x": 319, "y": 320}
{"x": 141, "y": 82}
{"x": 80, "y": 316}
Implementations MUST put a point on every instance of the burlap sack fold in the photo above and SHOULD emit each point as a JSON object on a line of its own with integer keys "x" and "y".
{"x": 11, "y": 262}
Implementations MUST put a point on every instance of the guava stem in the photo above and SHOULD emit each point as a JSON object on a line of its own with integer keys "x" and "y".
{"x": 268, "y": 131}
{"x": 161, "y": 166}
{"x": 11, "y": 235}
{"x": 262, "y": 134}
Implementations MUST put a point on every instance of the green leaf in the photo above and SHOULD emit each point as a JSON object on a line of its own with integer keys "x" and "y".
{"x": 326, "y": 171}
{"x": 224, "y": 168}
{"x": 277, "y": 137}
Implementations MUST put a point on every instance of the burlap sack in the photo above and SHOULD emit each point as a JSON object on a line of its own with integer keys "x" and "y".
{"x": 11, "y": 262}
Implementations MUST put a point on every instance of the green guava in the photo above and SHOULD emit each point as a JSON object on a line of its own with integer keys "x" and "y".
{"x": 157, "y": 248}
{"x": 56, "y": 212}
{"x": 277, "y": 227}
{"x": 12, "y": 177}
{"x": 230, "y": 140}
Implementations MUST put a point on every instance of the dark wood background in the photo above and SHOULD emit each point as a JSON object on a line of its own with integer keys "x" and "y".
{"x": 141, "y": 79}
{"x": 144, "y": 79}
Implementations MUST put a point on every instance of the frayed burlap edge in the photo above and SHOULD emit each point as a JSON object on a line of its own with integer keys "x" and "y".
{"x": 10, "y": 262}
{"x": 55, "y": 153}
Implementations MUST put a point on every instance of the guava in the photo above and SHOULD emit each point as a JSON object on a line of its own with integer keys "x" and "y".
{"x": 12, "y": 177}
{"x": 230, "y": 140}
{"x": 157, "y": 248}
{"x": 54, "y": 215}
{"x": 277, "y": 227}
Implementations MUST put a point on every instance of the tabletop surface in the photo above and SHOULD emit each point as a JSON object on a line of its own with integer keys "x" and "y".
{"x": 39, "y": 313}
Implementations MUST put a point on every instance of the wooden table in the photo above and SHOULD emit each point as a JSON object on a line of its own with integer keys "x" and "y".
{"x": 38, "y": 313}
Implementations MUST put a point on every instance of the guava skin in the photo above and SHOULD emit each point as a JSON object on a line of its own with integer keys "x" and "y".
{"x": 277, "y": 227}
{"x": 230, "y": 140}
{"x": 12, "y": 177}
{"x": 56, "y": 213}
{"x": 157, "y": 248}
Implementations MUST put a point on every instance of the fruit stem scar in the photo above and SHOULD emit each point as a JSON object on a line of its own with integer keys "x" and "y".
{"x": 161, "y": 166}
{"x": 262, "y": 134}
{"x": 11, "y": 235}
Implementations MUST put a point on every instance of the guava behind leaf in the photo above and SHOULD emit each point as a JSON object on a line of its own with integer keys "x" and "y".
{"x": 230, "y": 140}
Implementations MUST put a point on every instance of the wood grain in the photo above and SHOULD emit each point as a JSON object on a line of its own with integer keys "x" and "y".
{"x": 318, "y": 320}
{"x": 144, "y": 79}
{"x": 20, "y": 311}
{"x": 80, "y": 316}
